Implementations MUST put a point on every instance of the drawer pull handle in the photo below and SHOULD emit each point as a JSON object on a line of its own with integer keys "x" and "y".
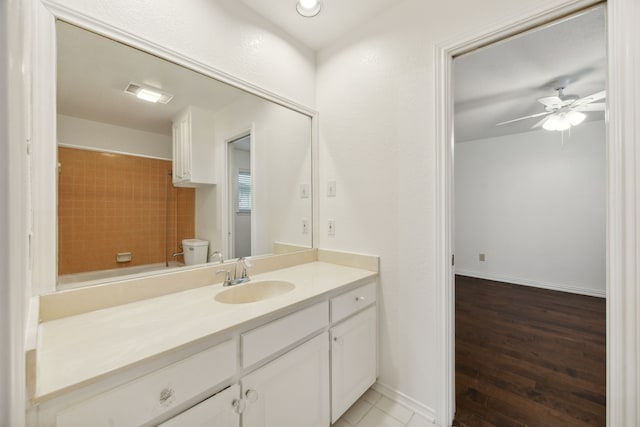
{"x": 358, "y": 299}
{"x": 238, "y": 406}
{"x": 166, "y": 396}
{"x": 251, "y": 395}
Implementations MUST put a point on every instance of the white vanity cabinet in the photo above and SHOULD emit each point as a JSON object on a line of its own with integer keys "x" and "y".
{"x": 193, "y": 148}
{"x": 291, "y": 391}
{"x": 220, "y": 410}
{"x": 303, "y": 368}
{"x": 353, "y": 347}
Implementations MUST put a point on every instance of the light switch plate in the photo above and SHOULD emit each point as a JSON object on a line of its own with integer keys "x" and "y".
{"x": 331, "y": 188}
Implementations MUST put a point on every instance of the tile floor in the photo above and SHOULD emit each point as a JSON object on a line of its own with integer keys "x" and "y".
{"x": 375, "y": 410}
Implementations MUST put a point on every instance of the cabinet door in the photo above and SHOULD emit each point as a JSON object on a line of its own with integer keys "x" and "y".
{"x": 353, "y": 360}
{"x": 217, "y": 411}
{"x": 181, "y": 130}
{"x": 291, "y": 391}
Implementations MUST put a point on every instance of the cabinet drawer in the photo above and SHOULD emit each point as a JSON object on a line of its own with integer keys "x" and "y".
{"x": 348, "y": 303}
{"x": 268, "y": 339}
{"x": 145, "y": 398}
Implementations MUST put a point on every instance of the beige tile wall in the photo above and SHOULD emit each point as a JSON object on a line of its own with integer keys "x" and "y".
{"x": 110, "y": 203}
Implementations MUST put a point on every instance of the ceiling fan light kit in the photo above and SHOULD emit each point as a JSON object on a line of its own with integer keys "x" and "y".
{"x": 563, "y": 121}
{"x": 564, "y": 111}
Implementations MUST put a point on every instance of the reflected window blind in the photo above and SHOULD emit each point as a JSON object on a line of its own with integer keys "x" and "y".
{"x": 244, "y": 191}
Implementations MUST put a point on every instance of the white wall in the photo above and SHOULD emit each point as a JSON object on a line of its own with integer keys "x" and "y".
{"x": 73, "y": 131}
{"x": 224, "y": 34}
{"x": 5, "y": 305}
{"x": 15, "y": 287}
{"x": 378, "y": 142}
{"x": 536, "y": 207}
{"x": 281, "y": 161}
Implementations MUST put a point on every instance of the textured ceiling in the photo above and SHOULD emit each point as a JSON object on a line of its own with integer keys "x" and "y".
{"x": 336, "y": 18}
{"x": 504, "y": 80}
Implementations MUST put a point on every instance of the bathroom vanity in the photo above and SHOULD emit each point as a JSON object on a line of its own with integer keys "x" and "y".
{"x": 294, "y": 355}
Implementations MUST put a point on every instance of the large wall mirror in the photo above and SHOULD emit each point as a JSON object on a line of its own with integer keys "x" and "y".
{"x": 156, "y": 160}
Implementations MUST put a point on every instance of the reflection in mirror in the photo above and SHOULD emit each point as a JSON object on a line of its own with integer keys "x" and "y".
{"x": 239, "y": 167}
{"x": 160, "y": 166}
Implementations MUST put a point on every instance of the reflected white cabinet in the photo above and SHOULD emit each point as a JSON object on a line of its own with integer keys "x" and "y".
{"x": 291, "y": 391}
{"x": 353, "y": 360}
{"x": 220, "y": 410}
{"x": 193, "y": 150}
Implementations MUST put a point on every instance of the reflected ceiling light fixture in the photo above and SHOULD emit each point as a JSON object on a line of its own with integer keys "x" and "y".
{"x": 564, "y": 111}
{"x": 308, "y": 8}
{"x": 563, "y": 120}
{"x": 148, "y": 93}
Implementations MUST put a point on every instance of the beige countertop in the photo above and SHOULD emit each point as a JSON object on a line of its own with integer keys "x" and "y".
{"x": 78, "y": 350}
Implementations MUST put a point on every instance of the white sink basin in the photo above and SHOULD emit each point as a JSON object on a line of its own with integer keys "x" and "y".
{"x": 254, "y": 291}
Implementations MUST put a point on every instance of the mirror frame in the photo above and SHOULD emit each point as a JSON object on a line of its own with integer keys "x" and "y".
{"x": 43, "y": 240}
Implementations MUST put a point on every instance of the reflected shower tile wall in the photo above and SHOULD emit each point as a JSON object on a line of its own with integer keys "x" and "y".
{"x": 110, "y": 203}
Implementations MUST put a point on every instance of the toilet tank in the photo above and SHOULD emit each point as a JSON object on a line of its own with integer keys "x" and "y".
{"x": 195, "y": 251}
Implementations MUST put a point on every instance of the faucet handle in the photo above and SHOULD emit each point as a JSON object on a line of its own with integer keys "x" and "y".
{"x": 246, "y": 264}
{"x": 227, "y": 277}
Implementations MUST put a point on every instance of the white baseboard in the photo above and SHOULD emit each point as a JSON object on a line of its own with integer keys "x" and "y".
{"x": 534, "y": 283}
{"x": 405, "y": 400}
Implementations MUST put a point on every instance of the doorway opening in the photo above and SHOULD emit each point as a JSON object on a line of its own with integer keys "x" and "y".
{"x": 530, "y": 226}
{"x": 240, "y": 196}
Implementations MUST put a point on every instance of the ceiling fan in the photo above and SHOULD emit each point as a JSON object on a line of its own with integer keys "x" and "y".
{"x": 563, "y": 111}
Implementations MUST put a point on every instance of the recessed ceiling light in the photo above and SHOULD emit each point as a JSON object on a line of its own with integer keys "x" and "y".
{"x": 308, "y": 8}
{"x": 148, "y": 93}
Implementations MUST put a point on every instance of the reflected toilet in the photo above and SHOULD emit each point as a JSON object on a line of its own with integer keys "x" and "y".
{"x": 195, "y": 251}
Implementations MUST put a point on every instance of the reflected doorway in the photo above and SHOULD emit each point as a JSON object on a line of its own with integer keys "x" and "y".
{"x": 240, "y": 196}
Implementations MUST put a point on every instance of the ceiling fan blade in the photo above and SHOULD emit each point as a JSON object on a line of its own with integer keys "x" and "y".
{"x": 551, "y": 101}
{"x": 600, "y": 106}
{"x": 523, "y": 118}
{"x": 591, "y": 98}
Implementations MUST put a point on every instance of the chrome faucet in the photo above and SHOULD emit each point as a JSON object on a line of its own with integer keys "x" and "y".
{"x": 244, "y": 276}
{"x": 218, "y": 255}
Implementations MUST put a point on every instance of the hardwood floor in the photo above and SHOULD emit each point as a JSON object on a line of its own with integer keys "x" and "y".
{"x": 528, "y": 357}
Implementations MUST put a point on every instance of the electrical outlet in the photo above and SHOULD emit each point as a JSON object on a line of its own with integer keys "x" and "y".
{"x": 305, "y": 226}
{"x": 331, "y": 188}
{"x": 331, "y": 231}
{"x": 481, "y": 257}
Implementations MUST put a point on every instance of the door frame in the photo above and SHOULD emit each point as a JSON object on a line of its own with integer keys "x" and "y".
{"x": 623, "y": 195}
{"x": 229, "y": 213}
